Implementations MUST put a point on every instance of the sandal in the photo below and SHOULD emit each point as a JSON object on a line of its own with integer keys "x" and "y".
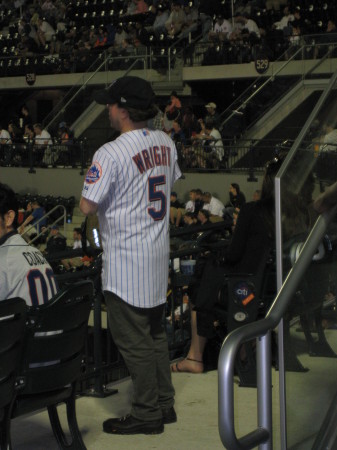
{"x": 177, "y": 367}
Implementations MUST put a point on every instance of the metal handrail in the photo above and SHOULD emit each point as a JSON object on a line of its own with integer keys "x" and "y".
{"x": 261, "y": 328}
{"x": 63, "y": 216}
{"x": 271, "y": 78}
{"x": 256, "y": 330}
{"x": 60, "y": 107}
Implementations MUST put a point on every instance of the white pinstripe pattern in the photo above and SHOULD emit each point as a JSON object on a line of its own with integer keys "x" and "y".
{"x": 135, "y": 246}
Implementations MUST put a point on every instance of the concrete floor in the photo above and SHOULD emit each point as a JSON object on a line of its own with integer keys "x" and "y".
{"x": 197, "y": 425}
{"x": 308, "y": 397}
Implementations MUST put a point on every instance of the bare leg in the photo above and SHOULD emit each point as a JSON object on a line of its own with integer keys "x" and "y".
{"x": 179, "y": 216}
{"x": 193, "y": 362}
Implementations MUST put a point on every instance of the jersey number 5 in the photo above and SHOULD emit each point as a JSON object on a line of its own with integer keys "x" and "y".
{"x": 154, "y": 195}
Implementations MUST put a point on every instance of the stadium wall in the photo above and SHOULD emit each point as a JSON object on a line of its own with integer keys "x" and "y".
{"x": 68, "y": 182}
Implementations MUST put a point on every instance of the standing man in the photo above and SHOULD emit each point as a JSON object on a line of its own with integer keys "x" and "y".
{"x": 129, "y": 185}
{"x": 24, "y": 271}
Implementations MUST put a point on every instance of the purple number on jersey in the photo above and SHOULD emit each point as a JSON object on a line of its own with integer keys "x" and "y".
{"x": 154, "y": 195}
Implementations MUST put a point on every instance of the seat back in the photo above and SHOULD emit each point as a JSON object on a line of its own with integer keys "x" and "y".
{"x": 55, "y": 338}
{"x": 249, "y": 294}
{"x": 12, "y": 326}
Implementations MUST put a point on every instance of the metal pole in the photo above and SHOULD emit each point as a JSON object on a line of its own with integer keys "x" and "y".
{"x": 233, "y": 13}
{"x": 264, "y": 388}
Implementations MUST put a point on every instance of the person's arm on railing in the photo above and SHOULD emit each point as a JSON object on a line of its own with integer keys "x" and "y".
{"x": 29, "y": 219}
{"x": 327, "y": 199}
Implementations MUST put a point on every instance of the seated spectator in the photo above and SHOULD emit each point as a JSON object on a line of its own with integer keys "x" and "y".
{"x": 284, "y": 22}
{"x": 23, "y": 269}
{"x": 294, "y": 40}
{"x": 27, "y": 212}
{"x": 56, "y": 242}
{"x": 141, "y": 7}
{"x": 189, "y": 123}
{"x": 48, "y": 8}
{"x": 248, "y": 28}
{"x": 15, "y": 133}
{"x": 213, "y": 205}
{"x": 176, "y": 19}
{"x": 203, "y": 217}
{"x": 120, "y": 41}
{"x": 212, "y": 114}
{"x": 34, "y": 223}
{"x": 221, "y": 30}
{"x": 190, "y": 218}
{"x": 176, "y": 210}
{"x": 213, "y": 144}
{"x": 130, "y": 7}
{"x": 29, "y": 31}
{"x": 45, "y": 32}
{"x": 170, "y": 114}
{"x": 207, "y": 9}
{"x": 254, "y": 232}
{"x": 236, "y": 197}
{"x": 326, "y": 38}
{"x": 329, "y": 138}
{"x": 161, "y": 16}
{"x": 191, "y": 21}
{"x": 177, "y": 133}
{"x": 27, "y": 46}
{"x": 102, "y": 37}
{"x": 209, "y": 141}
{"x": 196, "y": 203}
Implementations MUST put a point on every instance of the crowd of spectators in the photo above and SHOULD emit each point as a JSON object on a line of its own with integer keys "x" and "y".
{"x": 197, "y": 137}
{"x": 203, "y": 207}
{"x": 195, "y": 132}
{"x": 70, "y": 35}
{"x": 24, "y": 142}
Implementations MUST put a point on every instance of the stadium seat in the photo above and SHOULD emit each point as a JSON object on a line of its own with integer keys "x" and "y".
{"x": 12, "y": 326}
{"x": 52, "y": 359}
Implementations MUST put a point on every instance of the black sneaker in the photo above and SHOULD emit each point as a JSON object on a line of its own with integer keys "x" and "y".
{"x": 131, "y": 425}
{"x": 169, "y": 415}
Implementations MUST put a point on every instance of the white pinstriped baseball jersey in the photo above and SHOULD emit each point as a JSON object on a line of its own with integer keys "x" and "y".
{"x": 131, "y": 179}
{"x": 25, "y": 273}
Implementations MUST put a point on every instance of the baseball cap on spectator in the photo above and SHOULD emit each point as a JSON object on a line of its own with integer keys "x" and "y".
{"x": 55, "y": 227}
{"x": 127, "y": 91}
{"x": 62, "y": 125}
{"x": 211, "y": 105}
{"x": 174, "y": 194}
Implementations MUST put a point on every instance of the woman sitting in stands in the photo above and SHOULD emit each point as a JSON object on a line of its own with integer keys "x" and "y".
{"x": 254, "y": 234}
{"x": 236, "y": 197}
